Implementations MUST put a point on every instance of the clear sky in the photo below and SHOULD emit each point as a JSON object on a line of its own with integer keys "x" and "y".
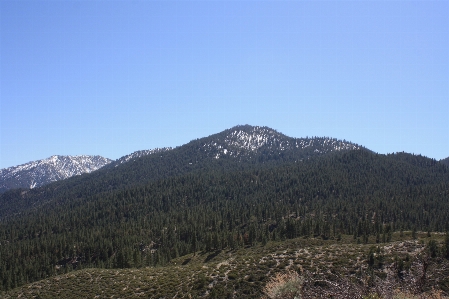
{"x": 113, "y": 77}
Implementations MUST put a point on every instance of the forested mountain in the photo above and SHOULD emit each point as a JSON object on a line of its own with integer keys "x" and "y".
{"x": 238, "y": 148}
{"x": 41, "y": 172}
{"x": 218, "y": 206}
{"x": 445, "y": 161}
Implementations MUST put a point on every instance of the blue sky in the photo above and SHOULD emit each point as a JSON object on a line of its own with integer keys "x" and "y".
{"x": 112, "y": 77}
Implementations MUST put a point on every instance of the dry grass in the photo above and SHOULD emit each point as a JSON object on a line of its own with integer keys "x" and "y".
{"x": 434, "y": 294}
{"x": 290, "y": 285}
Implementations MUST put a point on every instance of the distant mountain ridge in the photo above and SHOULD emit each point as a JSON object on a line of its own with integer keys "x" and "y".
{"x": 55, "y": 168}
{"x": 243, "y": 142}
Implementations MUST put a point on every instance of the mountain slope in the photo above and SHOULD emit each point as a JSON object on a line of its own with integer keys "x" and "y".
{"x": 41, "y": 172}
{"x": 138, "y": 154}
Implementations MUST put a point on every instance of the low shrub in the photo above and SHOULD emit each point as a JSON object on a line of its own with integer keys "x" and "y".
{"x": 286, "y": 285}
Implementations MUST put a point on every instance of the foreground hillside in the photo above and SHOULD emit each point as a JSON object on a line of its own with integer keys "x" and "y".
{"x": 356, "y": 193}
{"x": 343, "y": 269}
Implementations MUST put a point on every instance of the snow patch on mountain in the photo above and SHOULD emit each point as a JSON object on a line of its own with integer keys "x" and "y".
{"x": 252, "y": 140}
{"x": 244, "y": 140}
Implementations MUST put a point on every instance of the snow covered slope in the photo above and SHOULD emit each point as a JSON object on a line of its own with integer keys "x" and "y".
{"x": 55, "y": 168}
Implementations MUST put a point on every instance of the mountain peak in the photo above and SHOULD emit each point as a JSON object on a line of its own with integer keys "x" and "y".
{"x": 251, "y": 137}
{"x": 249, "y": 129}
{"x": 246, "y": 140}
